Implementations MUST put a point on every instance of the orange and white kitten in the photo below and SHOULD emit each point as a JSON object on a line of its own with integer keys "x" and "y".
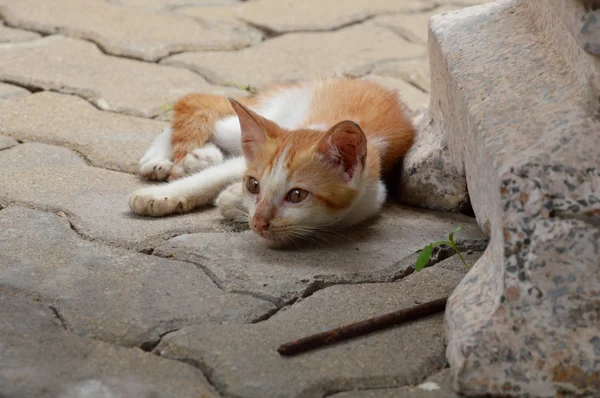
{"x": 293, "y": 161}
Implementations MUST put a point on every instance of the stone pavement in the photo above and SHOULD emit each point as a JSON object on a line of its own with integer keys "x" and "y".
{"x": 96, "y": 302}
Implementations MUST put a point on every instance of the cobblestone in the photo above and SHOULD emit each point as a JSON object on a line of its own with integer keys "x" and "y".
{"x": 73, "y": 66}
{"x": 12, "y": 35}
{"x": 299, "y": 56}
{"x": 127, "y": 31}
{"x": 107, "y": 140}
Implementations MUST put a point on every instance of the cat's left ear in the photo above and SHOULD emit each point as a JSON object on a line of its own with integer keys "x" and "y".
{"x": 255, "y": 129}
{"x": 344, "y": 146}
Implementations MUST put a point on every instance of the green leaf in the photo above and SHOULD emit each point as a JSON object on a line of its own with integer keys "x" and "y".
{"x": 451, "y": 236}
{"x": 440, "y": 242}
{"x": 423, "y": 259}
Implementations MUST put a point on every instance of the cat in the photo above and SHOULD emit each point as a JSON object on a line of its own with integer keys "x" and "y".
{"x": 293, "y": 161}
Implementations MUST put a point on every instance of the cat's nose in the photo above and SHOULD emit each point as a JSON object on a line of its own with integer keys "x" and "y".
{"x": 261, "y": 224}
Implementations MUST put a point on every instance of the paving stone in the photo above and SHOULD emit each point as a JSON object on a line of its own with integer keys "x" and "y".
{"x": 436, "y": 386}
{"x": 7, "y": 142}
{"x": 12, "y": 35}
{"x": 376, "y": 252}
{"x": 306, "y": 15}
{"x": 9, "y": 91}
{"x": 242, "y": 360}
{"x": 72, "y": 66}
{"x": 411, "y": 26}
{"x": 413, "y": 97}
{"x": 415, "y": 71}
{"x": 95, "y": 200}
{"x": 41, "y": 359}
{"x": 299, "y": 56}
{"x": 107, "y": 293}
{"x": 106, "y": 139}
{"x": 174, "y": 4}
{"x": 128, "y": 31}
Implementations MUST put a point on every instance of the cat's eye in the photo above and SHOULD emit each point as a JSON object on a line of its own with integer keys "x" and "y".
{"x": 252, "y": 185}
{"x": 297, "y": 195}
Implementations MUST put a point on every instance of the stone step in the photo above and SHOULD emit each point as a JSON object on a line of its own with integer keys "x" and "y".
{"x": 514, "y": 109}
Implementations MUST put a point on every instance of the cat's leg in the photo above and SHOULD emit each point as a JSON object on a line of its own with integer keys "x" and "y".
{"x": 197, "y": 160}
{"x": 231, "y": 203}
{"x": 187, "y": 193}
{"x": 195, "y": 116}
{"x": 156, "y": 164}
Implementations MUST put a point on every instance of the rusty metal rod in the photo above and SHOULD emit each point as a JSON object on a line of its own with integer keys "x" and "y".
{"x": 364, "y": 327}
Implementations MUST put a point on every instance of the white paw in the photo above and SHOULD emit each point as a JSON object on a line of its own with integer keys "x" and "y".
{"x": 231, "y": 204}
{"x": 155, "y": 168}
{"x": 157, "y": 202}
{"x": 197, "y": 160}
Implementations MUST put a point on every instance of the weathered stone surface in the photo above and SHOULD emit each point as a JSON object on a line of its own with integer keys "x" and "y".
{"x": 78, "y": 67}
{"x": 380, "y": 251}
{"x": 291, "y": 15}
{"x": 299, "y": 56}
{"x": 590, "y": 33}
{"x": 41, "y": 359}
{"x": 12, "y": 35}
{"x": 107, "y": 140}
{"x": 110, "y": 294}
{"x": 525, "y": 321}
{"x": 127, "y": 31}
{"x": 173, "y": 4}
{"x": 243, "y": 362}
{"x": 8, "y": 91}
{"x": 429, "y": 177}
{"x": 413, "y": 97}
{"x": 436, "y": 386}
{"x": 95, "y": 200}
{"x": 7, "y": 142}
{"x": 413, "y": 26}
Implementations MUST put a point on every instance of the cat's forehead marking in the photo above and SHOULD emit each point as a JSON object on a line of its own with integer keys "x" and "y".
{"x": 275, "y": 177}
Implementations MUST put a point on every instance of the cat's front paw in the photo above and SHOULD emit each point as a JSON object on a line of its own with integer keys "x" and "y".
{"x": 155, "y": 168}
{"x": 231, "y": 204}
{"x": 156, "y": 202}
{"x": 197, "y": 160}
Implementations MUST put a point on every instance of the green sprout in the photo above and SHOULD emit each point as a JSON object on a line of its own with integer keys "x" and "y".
{"x": 425, "y": 255}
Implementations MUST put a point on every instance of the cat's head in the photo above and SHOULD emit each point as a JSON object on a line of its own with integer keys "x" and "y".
{"x": 299, "y": 183}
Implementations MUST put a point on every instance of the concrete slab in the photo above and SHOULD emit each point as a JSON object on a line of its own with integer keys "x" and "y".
{"x": 95, "y": 200}
{"x": 106, "y": 139}
{"x": 379, "y": 251}
{"x": 299, "y": 56}
{"x": 41, "y": 359}
{"x": 126, "y": 31}
{"x": 242, "y": 361}
{"x": 106, "y": 293}
{"x": 121, "y": 85}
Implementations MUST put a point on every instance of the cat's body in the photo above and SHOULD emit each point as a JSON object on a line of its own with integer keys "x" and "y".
{"x": 311, "y": 156}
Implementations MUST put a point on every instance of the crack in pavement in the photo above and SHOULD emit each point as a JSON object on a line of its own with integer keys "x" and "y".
{"x": 59, "y": 316}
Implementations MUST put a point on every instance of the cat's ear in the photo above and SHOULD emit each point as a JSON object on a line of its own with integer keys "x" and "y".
{"x": 344, "y": 146}
{"x": 255, "y": 129}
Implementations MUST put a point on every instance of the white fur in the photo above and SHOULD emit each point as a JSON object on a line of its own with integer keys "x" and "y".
{"x": 198, "y": 160}
{"x": 156, "y": 164}
{"x": 379, "y": 143}
{"x": 185, "y": 194}
{"x": 231, "y": 203}
{"x": 227, "y": 135}
{"x": 288, "y": 108}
